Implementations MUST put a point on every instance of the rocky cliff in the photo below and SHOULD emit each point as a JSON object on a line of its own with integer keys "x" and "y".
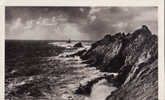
{"x": 134, "y": 57}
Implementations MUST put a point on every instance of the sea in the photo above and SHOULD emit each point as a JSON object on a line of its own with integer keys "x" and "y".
{"x": 42, "y": 70}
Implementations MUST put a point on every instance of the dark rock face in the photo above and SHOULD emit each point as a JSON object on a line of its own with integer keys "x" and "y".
{"x": 134, "y": 56}
{"x": 144, "y": 86}
{"x": 87, "y": 88}
{"x": 98, "y": 53}
{"x": 78, "y": 45}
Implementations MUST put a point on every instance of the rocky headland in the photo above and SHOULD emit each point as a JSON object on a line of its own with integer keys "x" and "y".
{"x": 134, "y": 56}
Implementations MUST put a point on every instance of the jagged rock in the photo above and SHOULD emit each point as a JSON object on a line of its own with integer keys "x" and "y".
{"x": 96, "y": 53}
{"x": 141, "y": 43}
{"x": 133, "y": 56}
{"x": 86, "y": 88}
{"x": 143, "y": 87}
{"x": 78, "y": 45}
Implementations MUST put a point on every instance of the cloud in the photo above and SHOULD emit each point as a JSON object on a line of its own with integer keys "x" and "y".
{"x": 94, "y": 10}
{"x": 76, "y": 22}
{"x": 120, "y": 19}
{"x": 16, "y": 26}
{"x": 120, "y": 25}
{"x": 45, "y": 28}
{"x": 147, "y": 16}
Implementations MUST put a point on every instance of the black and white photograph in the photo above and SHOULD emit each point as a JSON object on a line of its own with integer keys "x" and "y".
{"x": 81, "y": 53}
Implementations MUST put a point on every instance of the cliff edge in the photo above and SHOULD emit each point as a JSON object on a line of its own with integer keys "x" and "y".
{"x": 134, "y": 56}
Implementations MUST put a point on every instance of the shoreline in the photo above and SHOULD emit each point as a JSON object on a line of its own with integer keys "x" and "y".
{"x": 133, "y": 56}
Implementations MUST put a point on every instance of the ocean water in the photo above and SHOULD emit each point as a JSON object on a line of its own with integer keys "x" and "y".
{"x": 41, "y": 70}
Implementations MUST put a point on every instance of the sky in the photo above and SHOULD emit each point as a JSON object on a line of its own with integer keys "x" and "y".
{"x": 76, "y": 23}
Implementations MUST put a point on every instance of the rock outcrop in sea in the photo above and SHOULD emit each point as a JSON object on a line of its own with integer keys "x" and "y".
{"x": 78, "y": 45}
{"x": 134, "y": 56}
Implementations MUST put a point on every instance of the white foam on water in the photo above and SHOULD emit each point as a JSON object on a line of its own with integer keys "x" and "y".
{"x": 63, "y": 44}
{"x": 101, "y": 90}
{"x": 13, "y": 71}
{"x": 69, "y": 45}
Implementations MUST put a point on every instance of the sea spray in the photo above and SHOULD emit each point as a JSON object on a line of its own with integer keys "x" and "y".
{"x": 56, "y": 77}
{"x": 101, "y": 90}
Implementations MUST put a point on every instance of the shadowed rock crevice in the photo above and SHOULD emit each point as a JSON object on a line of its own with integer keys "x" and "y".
{"x": 115, "y": 64}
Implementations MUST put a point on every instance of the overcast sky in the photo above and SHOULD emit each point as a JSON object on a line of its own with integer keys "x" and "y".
{"x": 77, "y": 23}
